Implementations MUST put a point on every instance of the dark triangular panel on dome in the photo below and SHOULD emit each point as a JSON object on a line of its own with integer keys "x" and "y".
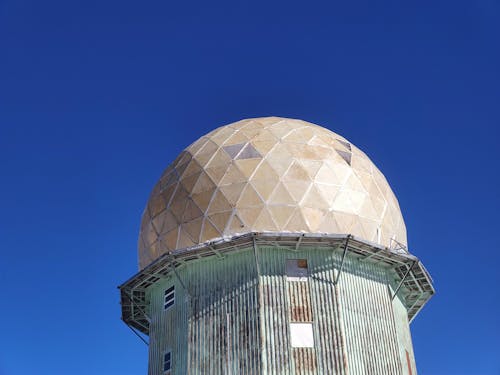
{"x": 179, "y": 170}
{"x": 183, "y": 158}
{"x": 345, "y": 155}
{"x": 184, "y": 240}
{"x": 249, "y": 152}
{"x": 347, "y": 145}
{"x": 233, "y": 150}
{"x": 170, "y": 179}
{"x": 191, "y": 211}
{"x": 193, "y": 229}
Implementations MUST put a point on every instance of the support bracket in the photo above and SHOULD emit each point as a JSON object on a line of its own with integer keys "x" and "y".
{"x": 403, "y": 280}
{"x": 136, "y": 333}
{"x": 343, "y": 257}
{"x": 256, "y": 254}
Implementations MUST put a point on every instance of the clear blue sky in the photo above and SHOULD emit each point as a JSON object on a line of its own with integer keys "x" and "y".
{"x": 97, "y": 97}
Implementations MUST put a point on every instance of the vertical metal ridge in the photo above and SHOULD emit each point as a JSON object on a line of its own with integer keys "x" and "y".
{"x": 369, "y": 324}
{"x": 219, "y": 320}
{"x": 299, "y": 301}
{"x": 236, "y": 320}
{"x": 329, "y": 347}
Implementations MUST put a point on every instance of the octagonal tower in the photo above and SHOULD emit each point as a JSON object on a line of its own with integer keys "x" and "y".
{"x": 275, "y": 246}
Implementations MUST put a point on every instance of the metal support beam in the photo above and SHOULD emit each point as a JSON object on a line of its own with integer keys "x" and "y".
{"x": 400, "y": 246}
{"x": 298, "y": 242}
{"x": 217, "y": 253}
{"x": 157, "y": 275}
{"x": 371, "y": 255}
{"x": 136, "y": 305}
{"x": 343, "y": 258}
{"x": 172, "y": 267}
{"x": 403, "y": 279}
{"x": 137, "y": 334}
{"x": 256, "y": 255}
{"x": 379, "y": 254}
{"x": 417, "y": 300}
{"x": 418, "y": 310}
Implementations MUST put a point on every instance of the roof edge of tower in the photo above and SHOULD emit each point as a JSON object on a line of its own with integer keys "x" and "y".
{"x": 410, "y": 272}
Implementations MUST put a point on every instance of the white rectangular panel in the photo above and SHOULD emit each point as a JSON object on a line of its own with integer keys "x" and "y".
{"x": 301, "y": 335}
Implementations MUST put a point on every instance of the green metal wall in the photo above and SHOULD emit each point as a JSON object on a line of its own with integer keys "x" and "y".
{"x": 229, "y": 320}
{"x": 213, "y": 328}
{"x": 369, "y": 327}
{"x": 404, "y": 338}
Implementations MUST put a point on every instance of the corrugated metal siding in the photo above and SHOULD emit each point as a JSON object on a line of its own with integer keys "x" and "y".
{"x": 299, "y": 300}
{"x": 233, "y": 322}
{"x": 166, "y": 325}
{"x": 332, "y": 358}
{"x": 214, "y": 329}
{"x": 353, "y": 322}
{"x": 404, "y": 336}
{"x": 286, "y": 301}
{"x": 304, "y": 361}
{"x": 276, "y": 350}
{"x": 370, "y": 332}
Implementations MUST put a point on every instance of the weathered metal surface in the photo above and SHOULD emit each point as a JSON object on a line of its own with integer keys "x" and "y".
{"x": 213, "y": 328}
{"x": 275, "y": 344}
{"x": 370, "y": 332}
{"x": 404, "y": 338}
{"x": 408, "y": 362}
{"x": 416, "y": 290}
{"x": 304, "y": 361}
{"x": 233, "y": 317}
{"x": 309, "y": 301}
{"x": 299, "y": 301}
{"x": 329, "y": 320}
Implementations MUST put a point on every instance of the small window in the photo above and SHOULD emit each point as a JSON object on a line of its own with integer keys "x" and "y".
{"x": 169, "y": 298}
{"x": 301, "y": 335}
{"x": 167, "y": 362}
{"x": 296, "y": 270}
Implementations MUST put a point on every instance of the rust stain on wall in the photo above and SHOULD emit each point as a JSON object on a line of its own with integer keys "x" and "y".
{"x": 304, "y": 361}
{"x": 299, "y": 299}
